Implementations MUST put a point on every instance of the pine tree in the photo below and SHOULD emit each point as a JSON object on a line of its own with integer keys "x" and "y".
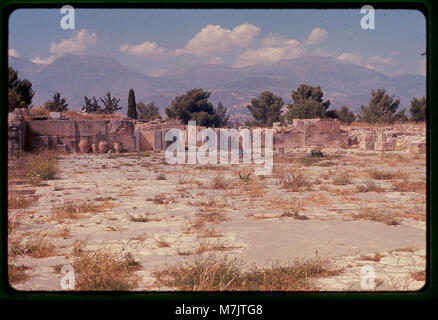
{"x": 147, "y": 112}
{"x": 20, "y": 92}
{"x": 382, "y": 108}
{"x": 266, "y": 109}
{"x": 345, "y": 115}
{"x": 222, "y": 118}
{"x": 418, "y": 109}
{"x": 307, "y": 103}
{"x": 193, "y": 105}
{"x": 91, "y": 106}
{"x": 132, "y": 108}
{"x": 110, "y": 104}
{"x": 56, "y": 104}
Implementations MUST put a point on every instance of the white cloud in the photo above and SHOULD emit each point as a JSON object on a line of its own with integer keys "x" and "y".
{"x": 213, "y": 39}
{"x": 376, "y": 63}
{"x": 157, "y": 73}
{"x": 76, "y": 44}
{"x": 355, "y": 58}
{"x": 274, "y": 48}
{"x": 317, "y": 35}
{"x": 13, "y": 53}
{"x": 146, "y": 49}
{"x": 43, "y": 60}
{"x": 269, "y": 55}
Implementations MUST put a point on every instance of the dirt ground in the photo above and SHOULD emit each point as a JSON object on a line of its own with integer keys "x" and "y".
{"x": 355, "y": 207}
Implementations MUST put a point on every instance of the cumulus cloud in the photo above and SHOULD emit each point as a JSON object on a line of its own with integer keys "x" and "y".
{"x": 269, "y": 55}
{"x": 76, "y": 44}
{"x": 146, "y": 49}
{"x": 213, "y": 39}
{"x": 274, "y": 48}
{"x": 13, "y": 53}
{"x": 355, "y": 58}
{"x": 317, "y": 35}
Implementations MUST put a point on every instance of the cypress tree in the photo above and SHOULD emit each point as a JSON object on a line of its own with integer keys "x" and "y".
{"x": 132, "y": 109}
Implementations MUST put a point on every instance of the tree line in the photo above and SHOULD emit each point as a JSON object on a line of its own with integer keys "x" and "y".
{"x": 267, "y": 108}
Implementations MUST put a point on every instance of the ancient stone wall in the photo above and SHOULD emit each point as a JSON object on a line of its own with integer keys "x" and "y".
{"x": 16, "y": 132}
{"x": 65, "y": 135}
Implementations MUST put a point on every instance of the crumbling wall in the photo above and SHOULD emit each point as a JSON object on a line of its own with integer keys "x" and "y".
{"x": 16, "y": 132}
{"x": 310, "y": 132}
{"x": 65, "y": 135}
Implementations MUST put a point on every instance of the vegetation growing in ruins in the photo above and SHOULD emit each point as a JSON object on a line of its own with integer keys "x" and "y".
{"x": 56, "y": 104}
{"x": 265, "y": 109}
{"x": 418, "y": 109}
{"x": 20, "y": 92}
{"x": 212, "y": 273}
{"x": 194, "y": 106}
{"x": 382, "y": 108}
{"x": 147, "y": 112}
{"x": 106, "y": 271}
{"x": 132, "y": 109}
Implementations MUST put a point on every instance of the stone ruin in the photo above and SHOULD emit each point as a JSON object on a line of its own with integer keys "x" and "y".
{"x": 127, "y": 135}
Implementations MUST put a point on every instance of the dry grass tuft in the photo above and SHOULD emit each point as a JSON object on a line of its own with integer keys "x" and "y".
{"x": 405, "y": 186}
{"x": 376, "y": 257}
{"x": 73, "y": 209}
{"x": 20, "y": 202}
{"x": 103, "y": 270}
{"x": 219, "y": 182}
{"x": 37, "y": 246}
{"x": 341, "y": 178}
{"x": 221, "y": 274}
{"x": 17, "y": 274}
{"x": 419, "y": 275}
{"x": 293, "y": 181}
{"x": 372, "y": 214}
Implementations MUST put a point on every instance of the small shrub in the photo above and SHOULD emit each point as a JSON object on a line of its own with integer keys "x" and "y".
{"x": 381, "y": 174}
{"x": 293, "y": 182}
{"x": 73, "y": 209}
{"x": 37, "y": 246}
{"x": 17, "y": 273}
{"x": 211, "y": 273}
{"x": 406, "y": 186}
{"x": 219, "y": 182}
{"x": 105, "y": 271}
{"x": 42, "y": 166}
{"x": 245, "y": 176}
{"x": 315, "y": 153}
{"x": 371, "y": 214}
{"x": 341, "y": 178}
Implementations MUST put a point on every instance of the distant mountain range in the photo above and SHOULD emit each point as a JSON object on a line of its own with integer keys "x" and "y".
{"x": 342, "y": 82}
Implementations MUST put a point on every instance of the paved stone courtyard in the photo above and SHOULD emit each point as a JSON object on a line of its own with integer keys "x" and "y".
{"x": 352, "y": 206}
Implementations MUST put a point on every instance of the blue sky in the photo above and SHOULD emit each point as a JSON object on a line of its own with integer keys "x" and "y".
{"x": 152, "y": 41}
